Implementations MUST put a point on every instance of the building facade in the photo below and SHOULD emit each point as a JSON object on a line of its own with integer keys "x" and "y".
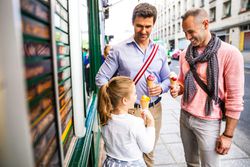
{"x": 229, "y": 20}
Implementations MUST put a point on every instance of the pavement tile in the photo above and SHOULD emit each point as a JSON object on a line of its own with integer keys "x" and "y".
{"x": 162, "y": 156}
{"x": 169, "y": 118}
{"x": 235, "y": 153}
{"x": 170, "y": 138}
{"x": 170, "y": 128}
{"x": 176, "y": 150}
{"x": 160, "y": 141}
{"x": 236, "y": 163}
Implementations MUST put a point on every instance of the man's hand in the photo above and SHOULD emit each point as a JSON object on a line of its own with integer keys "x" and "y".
{"x": 175, "y": 90}
{"x": 155, "y": 91}
{"x": 223, "y": 144}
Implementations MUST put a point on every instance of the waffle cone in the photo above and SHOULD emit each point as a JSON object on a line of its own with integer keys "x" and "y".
{"x": 144, "y": 104}
{"x": 172, "y": 82}
{"x": 150, "y": 83}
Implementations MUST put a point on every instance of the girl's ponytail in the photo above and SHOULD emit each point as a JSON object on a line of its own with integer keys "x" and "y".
{"x": 104, "y": 105}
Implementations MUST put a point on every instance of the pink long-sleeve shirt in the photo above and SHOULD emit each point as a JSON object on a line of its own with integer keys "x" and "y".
{"x": 231, "y": 83}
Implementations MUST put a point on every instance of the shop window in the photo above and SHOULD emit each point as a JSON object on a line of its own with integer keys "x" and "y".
{"x": 186, "y": 3}
{"x": 202, "y": 3}
{"x": 226, "y": 9}
{"x": 212, "y": 14}
{"x": 245, "y": 5}
{"x": 179, "y": 9}
{"x": 179, "y": 27}
{"x": 193, "y": 3}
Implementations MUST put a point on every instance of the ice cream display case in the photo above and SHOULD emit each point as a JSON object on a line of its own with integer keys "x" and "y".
{"x": 37, "y": 52}
{"x": 48, "y": 82}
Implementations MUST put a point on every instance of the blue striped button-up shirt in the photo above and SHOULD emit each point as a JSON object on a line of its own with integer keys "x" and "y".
{"x": 127, "y": 58}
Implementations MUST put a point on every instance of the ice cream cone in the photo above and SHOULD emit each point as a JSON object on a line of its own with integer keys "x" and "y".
{"x": 173, "y": 78}
{"x": 144, "y": 102}
{"x": 150, "y": 81}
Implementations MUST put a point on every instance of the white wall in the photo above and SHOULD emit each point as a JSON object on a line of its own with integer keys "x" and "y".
{"x": 15, "y": 141}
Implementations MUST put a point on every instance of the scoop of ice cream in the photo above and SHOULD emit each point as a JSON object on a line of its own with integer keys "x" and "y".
{"x": 151, "y": 77}
{"x": 173, "y": 76}
{"x": 144, "y": 102}
{"x": 145, "y": 98}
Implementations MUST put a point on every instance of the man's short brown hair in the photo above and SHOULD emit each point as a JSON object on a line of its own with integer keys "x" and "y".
{"x": 144, "y": 10}
{"x": 198, "y": 13}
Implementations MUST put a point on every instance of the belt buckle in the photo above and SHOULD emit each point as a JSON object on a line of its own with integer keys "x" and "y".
{"x": 154, "y": 103}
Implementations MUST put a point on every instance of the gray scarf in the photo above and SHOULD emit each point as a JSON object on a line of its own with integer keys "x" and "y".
{"x": 210, "y": 56}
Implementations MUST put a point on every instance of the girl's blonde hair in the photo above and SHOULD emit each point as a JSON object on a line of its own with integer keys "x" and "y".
{"x": 110, "y": 96}
{"x": 106, "y": 51}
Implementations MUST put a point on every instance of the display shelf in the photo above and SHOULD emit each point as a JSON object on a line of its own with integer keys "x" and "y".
{"x": 44, "y": 144}
{"x": 33, "y": 59}
{"x": 61, "y": 17}
{"x": 42, "y": 116}
{"x": 64, "y": 73}
{"x": 67, "y": 114}
{"x": 59, "y": 29}
{"x": 37, "y": 79}
{"x": 46, "y": 3}
{"x": 38, "y": 133}
{"x": 36, "y": 10}
{"x": 61, "y": 56}
{"x": 35, "y": 28}
{"x": 35, "y": 38}
{"x": 40, "y": 107}
{"x": 68, "y": 140}
{"x": 64, "y": 5}
{"x": 27, "y": 14}
{"x": 38, "y": 98}
{"x": 60, "y": 70}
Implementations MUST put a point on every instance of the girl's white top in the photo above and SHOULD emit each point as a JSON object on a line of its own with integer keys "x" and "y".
{"x": 126, "y": 137}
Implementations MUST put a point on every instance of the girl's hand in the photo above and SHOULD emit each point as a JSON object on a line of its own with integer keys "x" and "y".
{"x": 148, "y": 118}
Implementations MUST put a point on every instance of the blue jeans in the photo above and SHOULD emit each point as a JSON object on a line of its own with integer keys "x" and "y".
{"x": 199, "y": 140}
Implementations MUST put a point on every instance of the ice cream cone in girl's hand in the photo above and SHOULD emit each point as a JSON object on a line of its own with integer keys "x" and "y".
{"x": 150, "y": 80}
{"x": 173, "y": 78}
{"x": 144, "y": 102}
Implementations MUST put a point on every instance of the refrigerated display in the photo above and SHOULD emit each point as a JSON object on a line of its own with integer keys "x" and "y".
{"x": 38, "y": 58}
{"x": 64, "y": 72}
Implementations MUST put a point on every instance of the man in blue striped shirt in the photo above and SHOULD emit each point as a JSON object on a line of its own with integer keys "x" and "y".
{"x": 129, "y": 56}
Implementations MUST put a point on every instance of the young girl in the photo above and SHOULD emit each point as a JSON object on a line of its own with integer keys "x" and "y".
{"x": 125, "y": 136}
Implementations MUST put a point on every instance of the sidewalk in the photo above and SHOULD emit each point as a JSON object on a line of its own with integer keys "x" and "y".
{"x": 246, "y": 56}
{"x": 169, "y": 149}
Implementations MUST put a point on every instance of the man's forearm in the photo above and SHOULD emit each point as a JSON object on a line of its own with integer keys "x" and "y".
{"x": 231, "y": 124}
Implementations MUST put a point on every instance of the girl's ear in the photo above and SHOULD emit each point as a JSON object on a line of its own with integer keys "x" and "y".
{"x": 124, "y": 100}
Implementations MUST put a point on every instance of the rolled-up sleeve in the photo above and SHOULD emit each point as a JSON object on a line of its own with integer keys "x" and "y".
{"x": 234, "y": 83}
{"x": 107, "y": 69}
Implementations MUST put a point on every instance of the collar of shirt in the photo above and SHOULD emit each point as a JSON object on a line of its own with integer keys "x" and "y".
{"x": 132, "y": 40}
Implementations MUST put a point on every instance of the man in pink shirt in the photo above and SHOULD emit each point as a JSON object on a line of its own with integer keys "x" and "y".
{"x": 220, "y": 66}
